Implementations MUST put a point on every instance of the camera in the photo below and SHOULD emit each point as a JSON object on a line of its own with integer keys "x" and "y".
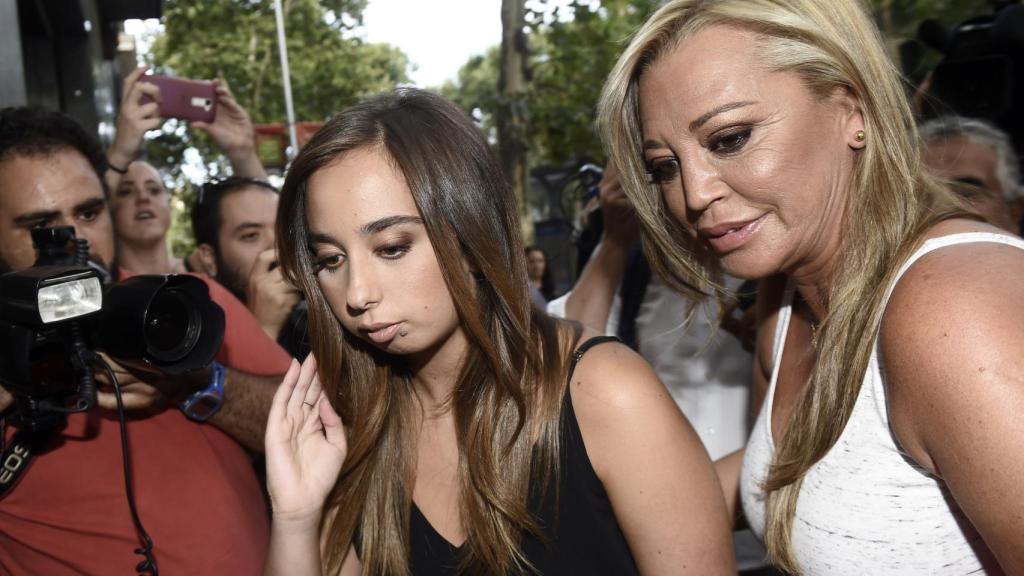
{"x": 981, "y": 74}
{"x": 56, "y": 316}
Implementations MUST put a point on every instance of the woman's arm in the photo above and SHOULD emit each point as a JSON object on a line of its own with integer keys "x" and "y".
{"x": 952, "y": 344}
{"x": 305, "y": 449}
{"x": 659, "y": 479}
{"x": 728, "y": 470}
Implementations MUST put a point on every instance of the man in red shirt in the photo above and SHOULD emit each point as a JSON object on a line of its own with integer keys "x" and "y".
{"x": 195, "y": 489}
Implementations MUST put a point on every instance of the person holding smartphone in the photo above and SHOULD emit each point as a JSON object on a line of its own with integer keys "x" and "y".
{"x": 139, "y": 200}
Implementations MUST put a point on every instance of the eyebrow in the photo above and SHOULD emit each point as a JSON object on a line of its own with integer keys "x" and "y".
{"x": 367, "y": 229}
{"x": 385, "y": 223}
{"x": 89, "y": 205}
{"x": 248, "y": 225}
{"x": 130, "y": 182}
{"x": 31, "y": 217}
{"x": 716, "y": 111}
{"x": 696, "y": 124}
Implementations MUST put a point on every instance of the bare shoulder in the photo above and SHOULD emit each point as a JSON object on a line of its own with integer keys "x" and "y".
{"x": 953, "y": 286}
{"x": 619, "y": 401}
{"x": 659, "y": 480}
{"x": 951, "y": 335}
{"x": 610, "y": 376}
{"x": 951, "y": 342}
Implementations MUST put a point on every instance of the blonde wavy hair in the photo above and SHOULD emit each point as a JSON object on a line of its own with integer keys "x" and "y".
{"x": 830, "y": 45}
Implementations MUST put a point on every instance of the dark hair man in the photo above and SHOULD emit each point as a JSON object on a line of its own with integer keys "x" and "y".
{"x": 195, "y": 488}
{"x": 233, "y": 224}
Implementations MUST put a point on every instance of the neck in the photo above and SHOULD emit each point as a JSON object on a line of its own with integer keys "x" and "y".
{"x": 146, "y": 258}
{"x": 813, "y": 280}
{"x": 435, "y": 373}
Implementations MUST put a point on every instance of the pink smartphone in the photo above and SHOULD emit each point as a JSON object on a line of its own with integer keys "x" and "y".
{"x": 183, "y": 98}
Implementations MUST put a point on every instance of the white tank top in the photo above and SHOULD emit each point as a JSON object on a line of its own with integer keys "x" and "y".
{"x": 866, "y": 508}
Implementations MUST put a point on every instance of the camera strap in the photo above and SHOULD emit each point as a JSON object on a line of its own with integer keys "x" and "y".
{"x": 17, "y": 455}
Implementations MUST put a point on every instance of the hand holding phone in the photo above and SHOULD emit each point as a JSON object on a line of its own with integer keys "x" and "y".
{"x": 194, "y": 100}
{"x": 139, "y": 114}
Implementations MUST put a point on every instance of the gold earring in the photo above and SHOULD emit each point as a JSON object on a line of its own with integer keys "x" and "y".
{"x": 860, "y": 136}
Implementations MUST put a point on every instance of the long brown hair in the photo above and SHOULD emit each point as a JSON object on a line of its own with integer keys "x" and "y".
{"x": 829, "y": 44}
{"x": 507, "y": 396}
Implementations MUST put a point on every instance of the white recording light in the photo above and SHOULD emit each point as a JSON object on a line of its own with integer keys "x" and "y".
{"x": 70, "y": 299}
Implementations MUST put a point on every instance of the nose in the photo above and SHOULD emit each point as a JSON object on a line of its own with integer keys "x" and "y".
{"x": 269, "y": 238}
{"x": 702, "y": 185}
{"x": 362, "y": 291}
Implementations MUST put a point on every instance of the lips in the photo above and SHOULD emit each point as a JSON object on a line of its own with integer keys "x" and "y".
{"x": 729, "y": 236}
{"x": 144, "y": 215}
{"x": 381, "y": 333}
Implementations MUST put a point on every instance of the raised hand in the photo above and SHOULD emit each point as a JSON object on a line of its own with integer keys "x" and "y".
{"x": 269, "y": 296}
{"x": 135, "y": 118}
{"x": 232, "y": 132}
{"x": 305, "y": 447}
{"x": 621, "y": 224}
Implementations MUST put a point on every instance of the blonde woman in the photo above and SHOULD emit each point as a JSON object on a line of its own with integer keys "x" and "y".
{"x": 436, "y": 430}
{"x": 772, "y": 139}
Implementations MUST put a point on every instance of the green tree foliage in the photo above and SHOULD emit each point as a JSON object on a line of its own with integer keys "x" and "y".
{"x": 331, "y": 68}
{"x": 571, "y": 58}
{"x": 573, "y": 47}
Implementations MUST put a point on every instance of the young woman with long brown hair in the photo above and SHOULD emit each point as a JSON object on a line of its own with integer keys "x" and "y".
{"x": 436, "y": 430}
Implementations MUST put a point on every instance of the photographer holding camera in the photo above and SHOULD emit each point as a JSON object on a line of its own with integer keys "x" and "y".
{"x": 193, "y": 482}
{"x": 233, "y": 223}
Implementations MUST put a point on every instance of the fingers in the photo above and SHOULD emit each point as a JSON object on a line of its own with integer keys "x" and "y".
{"x": 279, "y": 403}
{"x": 306, "y": 374}
{"x": 313, "y": 393}
{"x": 334, "y": 429}
{"x": 151, "y": 90}
{"x": 309, "y": 406}
{"x": 264, "y": 262}
{"x": 224, "y": 96}
{"x": 133, "y": 397}
{"x": 130, "y": 80}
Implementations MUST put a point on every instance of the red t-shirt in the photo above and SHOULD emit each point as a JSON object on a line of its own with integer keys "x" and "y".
{"x": 195, "y": 488}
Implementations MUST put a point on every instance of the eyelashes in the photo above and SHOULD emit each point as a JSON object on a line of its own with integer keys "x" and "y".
{"x": 328, "y": 263}
{"x": 723, "y": 144}
{"x": 730, "y": 141}
{"x": 663, "y": 170}
{"x": 332, "y": 262}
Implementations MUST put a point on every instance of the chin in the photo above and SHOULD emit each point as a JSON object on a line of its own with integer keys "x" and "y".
{"x": 748, "y": 266}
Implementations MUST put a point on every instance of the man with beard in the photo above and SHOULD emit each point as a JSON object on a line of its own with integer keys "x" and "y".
{"x": 195, "y": 489}
{"x": 233, "y": 224}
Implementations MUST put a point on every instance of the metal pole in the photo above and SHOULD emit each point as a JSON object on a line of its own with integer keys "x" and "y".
{"x": 282, "y": 48}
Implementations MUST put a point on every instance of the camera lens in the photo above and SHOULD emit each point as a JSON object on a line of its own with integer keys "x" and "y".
{"x": 172, "y": 326}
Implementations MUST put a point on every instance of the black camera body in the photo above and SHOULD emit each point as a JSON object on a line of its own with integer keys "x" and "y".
{"x": 982, "y": 72}
{"x": 56, "y": 315}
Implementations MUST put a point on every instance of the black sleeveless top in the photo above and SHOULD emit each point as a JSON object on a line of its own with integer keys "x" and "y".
{"x": 584, "y": 538}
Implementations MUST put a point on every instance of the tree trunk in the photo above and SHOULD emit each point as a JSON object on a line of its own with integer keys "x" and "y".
{"x": 511, "y": 120}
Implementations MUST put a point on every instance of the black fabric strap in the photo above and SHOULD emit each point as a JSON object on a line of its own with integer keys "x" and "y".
{"x": 583, "y": 349}
{"x": 16, "y": 457}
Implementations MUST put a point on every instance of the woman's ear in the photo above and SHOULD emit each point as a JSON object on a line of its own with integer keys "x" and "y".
{"x": 852, "y": 119}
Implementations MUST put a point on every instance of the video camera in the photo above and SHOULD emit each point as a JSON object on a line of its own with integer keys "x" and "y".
{"x": 982, "y": 72}
{"x": 57, "y": 314}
